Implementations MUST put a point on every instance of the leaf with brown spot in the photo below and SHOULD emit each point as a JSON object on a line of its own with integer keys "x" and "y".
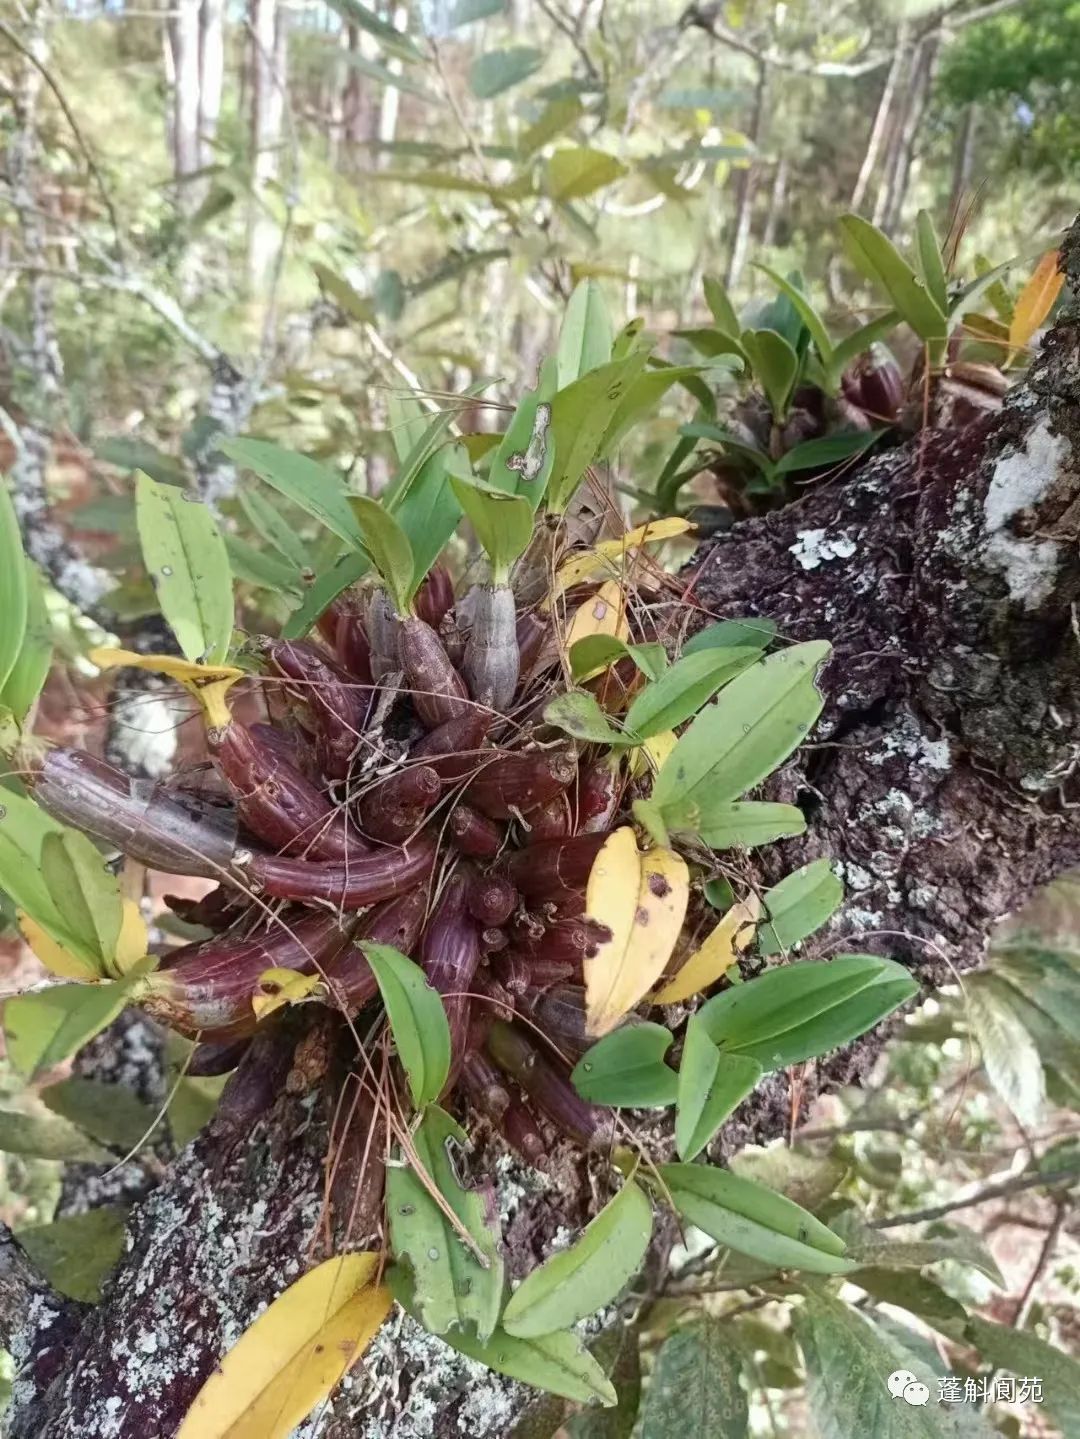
{"x": 641, "y": 898}
{"x": 603, "y": 614}
{"x": 294, "y": 1354}
{"x": 716, "y": 955}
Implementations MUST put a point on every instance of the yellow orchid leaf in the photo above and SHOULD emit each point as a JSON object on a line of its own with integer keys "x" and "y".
{"x": 651, "y": 757}
{"x": 279, "y": 987}
{"x": 208, "y": 684}
{"x": 132, "y": 941}
{"x": 1035, "y": 300}
{"x": 716, "y": 956}
{"x": 642, "y": 899}
{"x": 293, "y": 1355}
{"x": 57, "y": 959}
{"x": 604, "y": 614}
{"x": 610, "y": 555}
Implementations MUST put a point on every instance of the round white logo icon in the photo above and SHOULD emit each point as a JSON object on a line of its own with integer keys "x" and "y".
{"x": 905, "y": 1385}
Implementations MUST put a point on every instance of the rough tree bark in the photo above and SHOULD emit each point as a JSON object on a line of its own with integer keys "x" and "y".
{"x": 947, "y": 573}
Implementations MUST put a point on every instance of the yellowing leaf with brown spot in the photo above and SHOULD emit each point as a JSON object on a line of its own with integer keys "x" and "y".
{"x": 1035, "y": 300}
{"x": 718, "y": 953}
{"x": 642, "y": 899}
{"x": 603, "y": 614}
{"x": 54, "y": 956}
{"x": 610, "y": 555}
{"x": 208, "y": 684}
{"x": 279, "y": 987}
{"x": 293, "y": 1355}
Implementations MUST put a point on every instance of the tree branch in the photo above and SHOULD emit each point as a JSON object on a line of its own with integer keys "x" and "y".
{"x": 982, "y": 1196}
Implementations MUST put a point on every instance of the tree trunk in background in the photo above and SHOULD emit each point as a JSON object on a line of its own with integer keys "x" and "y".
{"x": 391, "y": 96}
{"x": 358, "y": 111}
{"x": 184, "y": 40}
{"x": 918, "y": 95}
{"x": 211, "y": 74}
{"x": 941, "y": 780}
{"x": 748, "y": 181}
{"x": 894, "y": 129}
{"x": 777, "y": 196}
{"x": 879, "y": 128}
{"x": 963, "y": 161}
{"x": 269, "y": 42}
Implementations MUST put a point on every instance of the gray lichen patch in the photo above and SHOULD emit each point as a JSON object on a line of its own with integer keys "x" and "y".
{"x": 1020, "y": 480}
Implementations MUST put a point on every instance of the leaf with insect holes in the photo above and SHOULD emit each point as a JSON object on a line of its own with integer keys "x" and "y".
{"x": 287, "y": 1363}
{"x": 85, "y": 892}
{"x": 642, "y": 899}
{"x": 799, "y": 1011}
{"x": 711, "y": 1085}
{"x": 417, "y": 1020}
{"x": 1020, "y": 1351}
{"x": 13, "y": 598}
{"x": 753, "y": 1220}
{"x": 78, "y": 1252}
{"x": 318, "y": 491}
{"x": 642, "y": 396}
{"x": 387, "y": 546}
{"x": 603, "y": 614}
{"x": 759, "y": 718}
{"x": 278, "y": 988}
{"x": 31, "y": 666}
{"x": 188, "y": 564}
{"x": 587, "y": 334}
{"x": 207, "y": 684}
{"x": 523, "y": 463}
{"x": 848, "y": 1362}
{"x": 715, "y": 956}
{"x": 581, "y": 415}
{"x": 578, "y": 1281}
{"x": 613, "y": 557}
{"x": 1036, "y": 300}
{"x": 457, "y": 1284}
{"x": 626, "y": 1069}
{"x": 595, "y": 653}
{"x": 578, "y": 713}
{"x": 503, "y": 523}
{"x": 756, "y": 633}
{"x": 46, "y": 1026}
{"x": 775, "y": 365}
{"x": 798, "y": 905}
{"x": 555, "y": 1362}
{"x": 695, "y": 1387}
{"x": 876, "y": 257}
{"x": 685, "y": 688}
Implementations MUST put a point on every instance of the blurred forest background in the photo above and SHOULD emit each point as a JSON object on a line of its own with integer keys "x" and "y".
{"x": 315, "y": 221}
